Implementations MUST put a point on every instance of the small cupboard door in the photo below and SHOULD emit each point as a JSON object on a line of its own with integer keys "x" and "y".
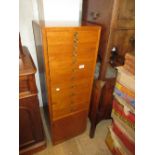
{"x": 125, "y": 15}
{"x": 30, "y": 125}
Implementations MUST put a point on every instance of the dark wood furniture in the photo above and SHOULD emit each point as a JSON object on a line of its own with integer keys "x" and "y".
{"x": 101, "y": 99}
{"x": 68, "y": 55}
{"x": 31, "y": 134}
{"x": 117, "y": 37}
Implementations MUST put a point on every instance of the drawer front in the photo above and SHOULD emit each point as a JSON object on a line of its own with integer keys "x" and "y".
{"x": 70, "y": 73}
{"x": 71, "y": 60}
{"x": 60, "y": 37}
{"x": 23, "y": 84}
{"x": 71, "y": 87}
{"x": 27, "y": 85}
{"x": 80, "y": 106}
{"x": 69, "y": 97}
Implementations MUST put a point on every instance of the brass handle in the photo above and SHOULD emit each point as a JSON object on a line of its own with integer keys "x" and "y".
{"x": 74, "y": 54}
{"x": 95, "y": 15}
{"x": 75, "y": 33}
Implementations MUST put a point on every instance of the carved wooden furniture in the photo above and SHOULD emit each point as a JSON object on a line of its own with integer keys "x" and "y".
{"x": 101, "y": 100}
{"x": 68, "y": 55}
{"x": 31, "y": 134}
{"x": 117, "y": 20}
{"x": 117, "y": 38}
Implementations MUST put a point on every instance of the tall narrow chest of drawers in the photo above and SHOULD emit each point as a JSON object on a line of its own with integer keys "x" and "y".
{"x": 66, "y": 58}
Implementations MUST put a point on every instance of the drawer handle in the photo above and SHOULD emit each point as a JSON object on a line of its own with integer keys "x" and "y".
{"x": 75, "y": 33}
{"x": 74, "y": 54}
{"x": 76, "y": 41}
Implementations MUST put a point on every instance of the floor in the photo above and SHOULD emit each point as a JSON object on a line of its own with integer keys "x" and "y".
{"x": 80, "y": 145}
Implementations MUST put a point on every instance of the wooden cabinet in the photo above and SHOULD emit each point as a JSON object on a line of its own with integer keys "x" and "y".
{"x": 69, "y": 56}
{"x": 101, "y": 100}
{"x": 118, "y": 22}
{"x": 31, "y": 135}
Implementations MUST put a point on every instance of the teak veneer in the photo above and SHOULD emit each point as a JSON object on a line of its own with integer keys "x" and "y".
{"x": 66, "y": 59}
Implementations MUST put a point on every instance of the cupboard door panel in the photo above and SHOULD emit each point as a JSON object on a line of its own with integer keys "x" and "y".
{"x": 126, "y": 14}
{"x": 30, "y": 125}
{"x": 126, "y": 10}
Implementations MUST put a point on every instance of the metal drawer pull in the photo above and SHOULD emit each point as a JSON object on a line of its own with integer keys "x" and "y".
{"x": 75, "y": 54}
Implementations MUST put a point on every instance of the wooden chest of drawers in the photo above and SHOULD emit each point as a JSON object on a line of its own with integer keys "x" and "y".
{"x": 68, "y": 55}
{"x": 31, "y": 135}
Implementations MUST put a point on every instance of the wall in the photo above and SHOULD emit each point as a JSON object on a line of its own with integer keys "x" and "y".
{"x": 27, "y": 12}
{"x": 54, "y": 10}
{"x": 63, "y": 11}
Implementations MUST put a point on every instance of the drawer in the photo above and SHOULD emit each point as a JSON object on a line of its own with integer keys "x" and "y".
{"x": 72, "y": 62}
{"x": 64, "y": 38}
{"x": 87, "y": 37}
{"x": 65, "y": 106}
{"x": 61, "y": 37}
{"x": 59, "y": 53}
{"x": 61, "y": 109}
{"x": 81, "y": 70}
{"x": 27, "y": 85}
{"x": 71, "y": 96}
{"x": 78, "y": 106}
{"x": 75, "y": 86}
